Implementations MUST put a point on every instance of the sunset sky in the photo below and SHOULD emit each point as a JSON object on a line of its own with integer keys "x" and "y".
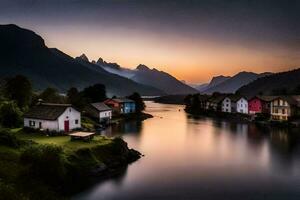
{"x": 191, "y": 39}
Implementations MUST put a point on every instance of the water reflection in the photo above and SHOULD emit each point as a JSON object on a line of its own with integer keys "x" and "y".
{"x": 203, "y": 158}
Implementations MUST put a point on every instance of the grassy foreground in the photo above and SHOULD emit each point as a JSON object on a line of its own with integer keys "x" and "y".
{"x": 35, "y": 166}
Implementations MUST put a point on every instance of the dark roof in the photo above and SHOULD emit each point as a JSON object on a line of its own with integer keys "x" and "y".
{"x": 203, "y": 97}
{"x": 291, "y": 99}
{"x": 217, "y": 99}
{"x": 47, "y": 111}
{"x": 266, "y": 98}
{"x": 235, "y": 97}
{"x": 123, "y": 100}
{"x": 101, "y": 106}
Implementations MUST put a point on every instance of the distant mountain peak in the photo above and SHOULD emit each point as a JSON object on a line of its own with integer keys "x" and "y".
{"x": 84, "y": 57}
{"x": 142, "y": 67}
{"x": 100, "y": 61}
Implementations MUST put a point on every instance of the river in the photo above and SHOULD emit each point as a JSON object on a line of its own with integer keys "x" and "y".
{"x": 203, "y": 158}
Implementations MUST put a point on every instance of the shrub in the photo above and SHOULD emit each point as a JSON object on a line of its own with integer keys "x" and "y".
{"x": 10, "y": 115}
{"x": 8, "y": 192}
{"x": 9, "y": 139}
{"x": 45, "y": 163}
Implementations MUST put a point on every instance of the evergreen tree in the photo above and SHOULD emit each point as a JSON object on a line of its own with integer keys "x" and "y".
{"x": 18, "y": 89}
{"x": 139, "y": 103}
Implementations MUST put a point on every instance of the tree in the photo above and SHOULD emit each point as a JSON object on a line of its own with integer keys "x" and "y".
{"x": 75, "y": 98}
{"x": 19, "y": 89}
{"x": 10, "y": 115}
{"x": 139, "y": 103}
{"x": 51, "y": 95}
{"x": 95, "y": 93}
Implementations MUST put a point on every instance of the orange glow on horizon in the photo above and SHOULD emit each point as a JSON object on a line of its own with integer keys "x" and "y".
{"x": 189, "y": 59}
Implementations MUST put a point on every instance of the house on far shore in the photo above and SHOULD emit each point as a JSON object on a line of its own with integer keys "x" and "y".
{"x": 53, "y": 117}
{"x": 284, "y": 107}
{"x": 215, "y": 102}
{"x": 239, "y": 104}
{"x": 203, "y": 101}
{"x": 121, "y": 105}
{"x": 260, "y": 104}
{"x": 226, "y": 105}
{"x": 100, "y": 111}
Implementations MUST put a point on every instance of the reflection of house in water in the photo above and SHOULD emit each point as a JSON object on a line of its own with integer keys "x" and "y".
{"x": 285, "y": 152}
{"x": 126, "y": 127}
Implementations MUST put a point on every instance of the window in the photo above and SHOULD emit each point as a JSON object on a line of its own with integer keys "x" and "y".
{"x": 31, "y": 123}
{"x": 76, "y": 121}
{"x": 280, "y": 102}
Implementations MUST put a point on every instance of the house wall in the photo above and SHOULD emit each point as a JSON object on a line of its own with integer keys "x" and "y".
{"x": 255, "y": 106}
{"x": 128, "y": 107}
{"x": 226, "y": 105}
{"x": 105, "y": 115}
{"x": 115, "y": 106}
{"x": 71, "y": 115}
{"x": 280, "y": 110}
{"x": 45, "y": 124}
{"x": 242, "y": 106}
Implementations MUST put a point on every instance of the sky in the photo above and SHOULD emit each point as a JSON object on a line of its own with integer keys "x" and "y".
{"x": 191, "y": 39}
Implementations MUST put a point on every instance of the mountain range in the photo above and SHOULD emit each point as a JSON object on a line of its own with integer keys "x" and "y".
{"x": 153, "y": 77}
{"x": 278, "y": 83}
{"x": 24, "y": 52}
{"x": 227, "y": 84}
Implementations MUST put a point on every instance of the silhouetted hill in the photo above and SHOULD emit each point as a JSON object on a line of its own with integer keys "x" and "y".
{"x": 232, "y": 84}
{"x": 24, "y": 52}
{"x": 152, "y": 77}
{"x": 162, "y": 80}
{"x": 284, "y": 82}
{"x": 214, "y": 81}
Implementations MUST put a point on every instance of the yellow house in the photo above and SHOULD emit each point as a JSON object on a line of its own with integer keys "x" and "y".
{"x": 283, "y": 107}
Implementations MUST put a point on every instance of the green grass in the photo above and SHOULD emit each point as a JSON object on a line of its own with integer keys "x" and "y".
{"x": 63, "y": 141}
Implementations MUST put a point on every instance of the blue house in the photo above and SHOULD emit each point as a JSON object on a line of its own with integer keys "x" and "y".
{"x": 121, "y": 105}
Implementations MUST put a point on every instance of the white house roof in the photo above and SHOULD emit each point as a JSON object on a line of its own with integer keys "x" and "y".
{"x": 101, "y": 106}
{"x": 47, "y": 111}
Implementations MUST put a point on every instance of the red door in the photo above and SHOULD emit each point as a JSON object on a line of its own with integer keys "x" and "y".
{"x": 67, "y": 128}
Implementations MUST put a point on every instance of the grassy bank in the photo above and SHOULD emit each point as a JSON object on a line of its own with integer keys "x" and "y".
{"x": 35, "y": 166}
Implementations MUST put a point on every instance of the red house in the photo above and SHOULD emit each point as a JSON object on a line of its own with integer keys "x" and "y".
{"x": 260, "y": 104}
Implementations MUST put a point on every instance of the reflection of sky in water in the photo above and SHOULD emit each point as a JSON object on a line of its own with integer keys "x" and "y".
{"x": 189, "y": 158}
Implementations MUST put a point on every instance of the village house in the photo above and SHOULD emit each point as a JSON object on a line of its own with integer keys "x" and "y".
{"x": 121, "y": 105}
{"x": 226, "y": 105}
{"x": 239, "y": 104}
{"x": 284, "y": 107}
{"x": 53, "y": 117}
{"x": 260, "y": 104}
{"x": 203, "y": 101}
{"x": 215, "y": 102}
{"x": 100, "y": 111}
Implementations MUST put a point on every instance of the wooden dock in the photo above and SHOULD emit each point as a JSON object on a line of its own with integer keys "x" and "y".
{"x": 86, "y": 136}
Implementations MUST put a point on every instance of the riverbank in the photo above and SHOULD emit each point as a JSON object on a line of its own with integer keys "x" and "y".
{"x": 134, "y": 116}
{"x": 243, "y": 118}
{"x": 36, "y": 166}
{"x": 171, "y": 99}
{"x": 231, "y": 117}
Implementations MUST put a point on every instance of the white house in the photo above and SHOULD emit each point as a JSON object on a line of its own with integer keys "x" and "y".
{"x": 53, "y": 117}
{"x": 235, "y": 104}
{"x": 226, "y": 105}
{"x": 239, "y": 104}
{"x": 100, "y": 111}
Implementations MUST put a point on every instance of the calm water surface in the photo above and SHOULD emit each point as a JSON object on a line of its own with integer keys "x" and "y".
{"x": 188, "y": 158}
